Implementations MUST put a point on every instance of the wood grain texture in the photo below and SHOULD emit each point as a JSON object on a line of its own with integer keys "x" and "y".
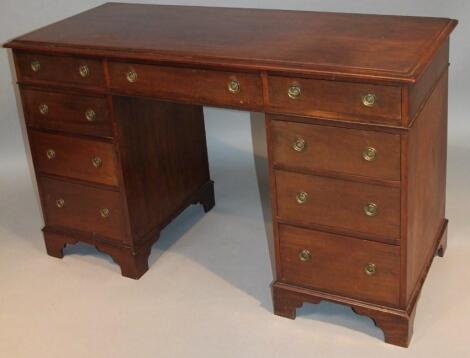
{"x": 62, "y": 69}
{"x": 336, "y": 150}
{"x": 81, "y": 208}
{"x": 66, "y": 112}
{"x": 163, "y": 158}
{"x": 338, "y": 203}
{"x": 335, "y": 99}
{"x": 427, "y": 152}
{"x": 329, "y": 44}
{"x": 189, "y": 85}
{"x": 337, "y": 265}
{"x": 73, "y": 157}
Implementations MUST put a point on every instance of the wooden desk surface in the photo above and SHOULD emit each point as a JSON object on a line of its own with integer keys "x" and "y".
{"x": 378, "y": 47}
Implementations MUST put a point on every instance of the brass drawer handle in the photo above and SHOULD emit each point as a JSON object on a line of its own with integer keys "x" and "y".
{"x": 294, "y": 91}
{"x": 369, "y": 99}
{"x": 104, "y": 212}
{"x": 131, "y": 76}
{"x": 35, "y": 65}
{"x": 60, "y": 203}
{"x": 369, "y": 154}
{"x": 371, "y": 209}
{"x": 97, "y": 162}
{"x": 43, "y": 109}
{"x": 50, "y": 153}
{"x": 233, "y": 86}
{"x": 305, "y": 255}
{"x": 84, "y": 71}
{"x": 370, "y": 269}
{"x": 302, "y": 197}
{"x": 90, "y": 115}
{"x": 299, "y": 144}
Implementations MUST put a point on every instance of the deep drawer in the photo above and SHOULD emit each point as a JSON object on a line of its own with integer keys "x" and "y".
{"x": 60, "y": 69}
{"x": 334, "y": 99}
{"x": 195, "y": 85}
{"x": 353, "y": 206}
{"x": 351, "y": 151}
{"x": 80, "y": 207}
{"x": 67, "y": 112}
{"x": 342, "y": 265}
{"x": 73, "y": 157}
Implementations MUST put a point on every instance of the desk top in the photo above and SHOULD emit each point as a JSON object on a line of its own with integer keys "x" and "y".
{"x": 377, "y": 47}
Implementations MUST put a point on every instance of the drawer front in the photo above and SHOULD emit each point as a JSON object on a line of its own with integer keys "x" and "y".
{"x": 323, "y": 148}
{"x": 83, "y": 208}
{"x": 200, "y": 86}
{"x": 74, "y": 157}
{"x": 351, "y": 267}
{"x": 60, "y": 69}
{"x": 338, "y": 203}
{"x": 334, "y": 99}
{"x": 67, "y": 112}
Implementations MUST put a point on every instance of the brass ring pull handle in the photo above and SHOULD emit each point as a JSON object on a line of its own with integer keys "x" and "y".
{"x": 369, "y": 100}
{"x": 43, "y": 109}
{"x": 369, "y": 154}
{"x": 294, "y": 91}
{"x": 131, "y": 76}
{"x": 50, "y": 154}
{"x": 233, "y": 86}
{"x": 305, "y": 255}
{"x": 84, "y": 71}
{"x": 35, "y": 65}
{"x": 90, "y": 115}
{"x": 301, "y": 197}
{"x": 97, "y": 162}
{"x": 60, "y": 203}
{"x": 370, "y": 269}
{"x": 104, "y": 212}
{"x": 371, "y": 209}
{"x": 299, "y": 144}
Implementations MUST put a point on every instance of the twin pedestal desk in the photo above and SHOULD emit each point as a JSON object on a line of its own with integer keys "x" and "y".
{"x": 356, "y": 120}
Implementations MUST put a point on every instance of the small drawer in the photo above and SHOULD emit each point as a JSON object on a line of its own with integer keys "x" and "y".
{"x": 60, "y": 69}
{"x": 83, "y": 208}
{"x": 72, "y": 157}
{"x": 196, "y": 85}
{"x": 350, "y": 267}
{"x": 357, "y": 207}
{"x": 351, "y": 151}
{"x": 338, "y": 100}
{"x": 67, "y": 112}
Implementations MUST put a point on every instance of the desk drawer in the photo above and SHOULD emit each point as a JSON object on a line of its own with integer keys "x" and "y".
{"x": 80, "y": 207}
{"x": 60, "y": 69}
{"x": 342, "y": 265}
{"x": 67, "y": 112}
{"x": 351, "y": 151}
{"x": 196, "y": 85}
{"x": 74, "y": 157}
{"x": 334, "y": 99}
{"x": 314, "y": 200}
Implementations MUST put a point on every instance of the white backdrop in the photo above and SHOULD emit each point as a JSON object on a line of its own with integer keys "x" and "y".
{"x": 206, "y": 293}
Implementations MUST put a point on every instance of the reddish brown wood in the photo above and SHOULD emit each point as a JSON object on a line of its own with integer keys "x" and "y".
{"x": 426, "y": 169}
{"x": 338, "y": 203}
{"x": 334, "y": 99}
{"x": 155, "y": 157}
{"x": 81, "y": 208}
{"x": 337, "y": 265}
{"x": 62, "y": 69}
{"x": 328, "y": 44}
{"x": 190, "y": 85}
{"x": 336, "y": 150}
{"x": 66, "y": 112}
{"x": 73, "y": 157}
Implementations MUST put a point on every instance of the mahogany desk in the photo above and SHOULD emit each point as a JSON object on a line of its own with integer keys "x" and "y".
{"x": 356, "y": 117}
